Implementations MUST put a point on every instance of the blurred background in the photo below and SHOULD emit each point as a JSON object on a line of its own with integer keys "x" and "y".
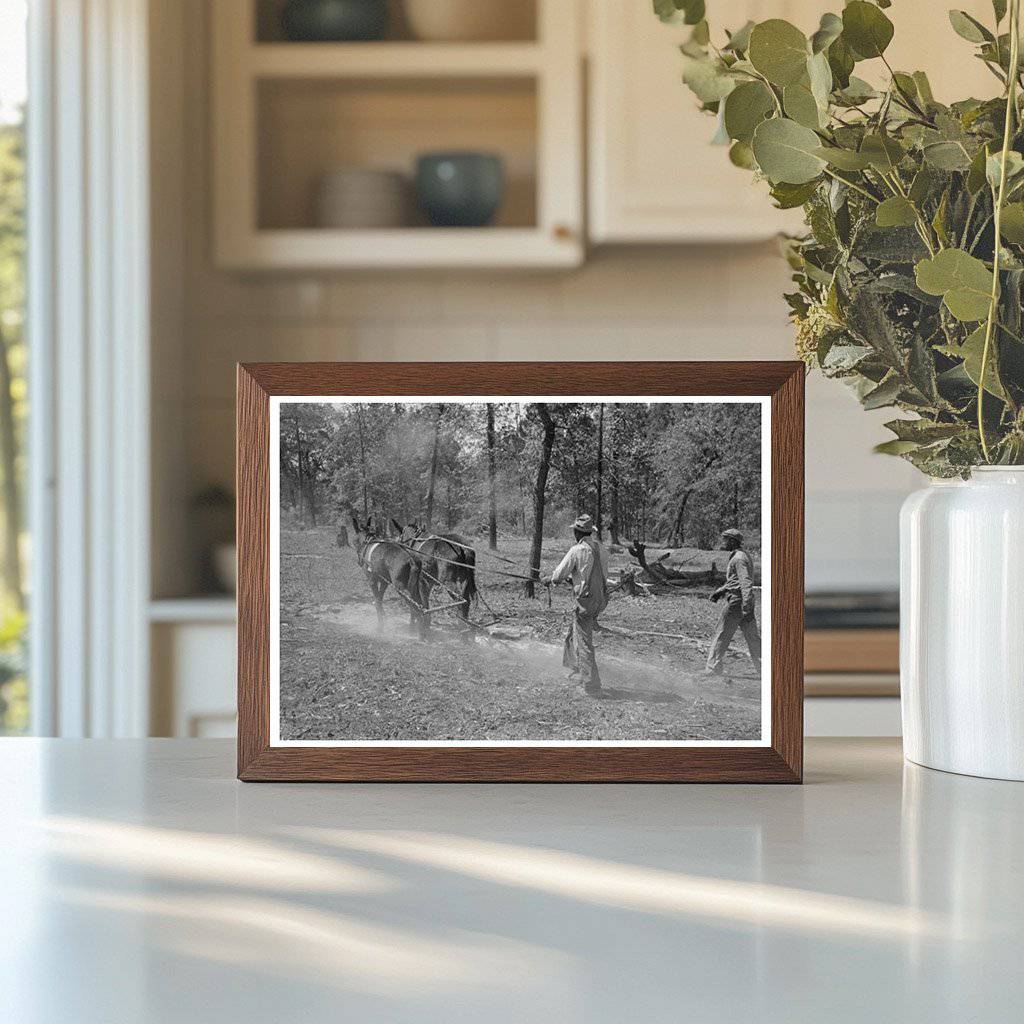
{"x": 361, "y": 180}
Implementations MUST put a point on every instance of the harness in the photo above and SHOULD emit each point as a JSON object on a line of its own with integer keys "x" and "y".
{"x": 365, "y": 552}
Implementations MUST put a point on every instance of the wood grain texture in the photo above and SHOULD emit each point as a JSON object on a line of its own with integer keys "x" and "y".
{"x": 779, "y": 762}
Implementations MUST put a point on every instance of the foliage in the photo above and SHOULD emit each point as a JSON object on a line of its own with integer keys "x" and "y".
{"x": 13, "y": 413}
{"x": 902, "y": 291}
{"x": 667, "y": 470}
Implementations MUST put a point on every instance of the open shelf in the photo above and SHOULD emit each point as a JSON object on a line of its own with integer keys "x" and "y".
{"x": 393, "y": 60}
{"x": 286, "y": 114}
{"x": 520, "y": 23}
{"x": 309, "y": 127}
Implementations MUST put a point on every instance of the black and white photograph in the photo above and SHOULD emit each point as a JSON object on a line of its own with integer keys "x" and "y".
{"x": 556, "y": 572}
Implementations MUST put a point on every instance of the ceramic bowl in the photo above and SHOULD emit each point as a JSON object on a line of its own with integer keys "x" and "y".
{"x": 460, "y": 189}
{"x": 359, "y": 197}
{"x": 332, "y": 21}
{"x": 470, "y": 20}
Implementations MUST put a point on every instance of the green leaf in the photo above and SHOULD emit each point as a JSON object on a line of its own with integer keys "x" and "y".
{"x": 924, "y": 88}
{"x": 971, "y": 351}
{"x": 922, "y": 185}
{"x": 947, "y": 156}
{"x": 707, "y": 78}
{"x": 895, "y": 212}
{"x": 819, "y": 74}
{"x": 745, "y": 108}
{"x": 788, "y": 197}
{"x": 841, "y": 63}
{"x": 923, "y": 431}
{"x": 969, "y": 28}
{"x": 963, "y": 281}
{"x": 993, "y": 167}
{"x": 976, "y": 173}
{"x": 801, "y": 106}
{"x": 844, "y": 159}
{"x": 779, "y": 51}
{"x": 739, "y": 41}
{"x": 690, "y": 12}
{"x": 885, "y": 394}
{"x": 883, "y": 152}
{"x": 741, "y": 155}
{"x": 1012, "y": 224}
{"x": 829, "y": 30}
{"x": 895, "y": 447}
{"x": 866, "y": 29}
{"x": 857, "y": 91}
{"x": 999, "y": 9}
{"x": 787, "y": 151}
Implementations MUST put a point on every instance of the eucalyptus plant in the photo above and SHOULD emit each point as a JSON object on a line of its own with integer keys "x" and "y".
{"x": 910, "y": 278}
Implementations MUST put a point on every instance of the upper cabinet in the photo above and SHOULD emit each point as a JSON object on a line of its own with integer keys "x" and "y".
{"x": 654, "y": 176}
{"x": 316, "y": 143}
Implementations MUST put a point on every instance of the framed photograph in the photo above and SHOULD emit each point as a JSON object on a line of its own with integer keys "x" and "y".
{"x": 578, "y": 572}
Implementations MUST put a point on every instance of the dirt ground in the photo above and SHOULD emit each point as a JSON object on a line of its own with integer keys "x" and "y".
{"x": 343, "y": 677}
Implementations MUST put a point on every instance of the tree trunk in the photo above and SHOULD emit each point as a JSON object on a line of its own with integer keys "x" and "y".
{"x": 539, "y": 494}
{"x": 11, "y": 490}
{"x": 362, "y": 456}
{"x": 613, "y": 527}
{"x": 600, "y": 468}
{"x": 492, "y": 522}
{"x": 433, "y": 468}
{"x": 301, "y": 470}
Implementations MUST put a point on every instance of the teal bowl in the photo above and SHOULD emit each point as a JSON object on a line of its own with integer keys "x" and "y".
{"x": 334, "y": 21}
{"x": 460, "y": 189}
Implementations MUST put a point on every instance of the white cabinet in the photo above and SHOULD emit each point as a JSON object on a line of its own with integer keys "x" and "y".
{"x": 653, "y": 177}
{"x": 286, "y": 114}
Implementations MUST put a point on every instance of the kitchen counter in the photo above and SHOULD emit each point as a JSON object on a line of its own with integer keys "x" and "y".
{"x": 140, "y": 882}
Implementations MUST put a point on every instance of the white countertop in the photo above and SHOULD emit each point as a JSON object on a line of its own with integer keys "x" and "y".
{"x": 140, "y": 882}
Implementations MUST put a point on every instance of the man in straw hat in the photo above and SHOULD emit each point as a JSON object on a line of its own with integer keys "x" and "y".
{"x": 586, "y": 564}
{"x": 737, "y": 607}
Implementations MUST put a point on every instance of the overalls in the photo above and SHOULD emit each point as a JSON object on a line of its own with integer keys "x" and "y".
{"x": 591, "y": 599}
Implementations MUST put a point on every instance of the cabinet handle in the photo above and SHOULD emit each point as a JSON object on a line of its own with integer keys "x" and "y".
{"x": 562, "y": 232}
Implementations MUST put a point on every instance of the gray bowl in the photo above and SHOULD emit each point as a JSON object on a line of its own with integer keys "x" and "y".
{"x": 460, "y": 189}
{"x": 333, "y": 21}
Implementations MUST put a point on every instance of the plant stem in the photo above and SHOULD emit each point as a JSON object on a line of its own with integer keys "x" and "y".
{"x": 1011, "y": 109}
{"x": 853, "y": 185}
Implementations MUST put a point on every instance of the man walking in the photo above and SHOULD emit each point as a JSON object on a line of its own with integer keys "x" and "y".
{"x": 737, "y": 606}
{"x": 586, "y": 564}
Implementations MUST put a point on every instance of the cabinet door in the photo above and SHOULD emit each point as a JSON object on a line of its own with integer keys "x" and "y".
{"x": 654, "y": 177}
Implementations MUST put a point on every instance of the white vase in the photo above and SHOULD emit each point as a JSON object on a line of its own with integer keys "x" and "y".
{"x": 962, "y": 624}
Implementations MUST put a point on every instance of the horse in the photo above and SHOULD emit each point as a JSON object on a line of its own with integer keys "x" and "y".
{"x": 390, "y": 563}
{"x": 448, "y": 559}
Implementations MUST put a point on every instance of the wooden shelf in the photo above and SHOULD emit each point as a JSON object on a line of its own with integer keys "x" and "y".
{"x": 284, "y": 114}
{"x": 393, "y": 60}
{"x": 318, "y": 248}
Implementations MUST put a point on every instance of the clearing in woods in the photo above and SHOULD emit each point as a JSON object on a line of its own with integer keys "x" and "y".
{"x": 343, "y": 678}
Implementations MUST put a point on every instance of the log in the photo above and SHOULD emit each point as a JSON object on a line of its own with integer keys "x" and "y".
{"x": 660, "y": 573}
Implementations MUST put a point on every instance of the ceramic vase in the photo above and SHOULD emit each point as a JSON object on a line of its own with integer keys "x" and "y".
{"x": 962, "y": 624}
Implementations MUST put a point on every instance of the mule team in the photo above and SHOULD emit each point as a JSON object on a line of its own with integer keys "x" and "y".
{"x": 415, "y": 563}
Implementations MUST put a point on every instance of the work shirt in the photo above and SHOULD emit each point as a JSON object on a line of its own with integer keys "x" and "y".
{"x": 579, "y": 564}
{"x": 739, "y": 581}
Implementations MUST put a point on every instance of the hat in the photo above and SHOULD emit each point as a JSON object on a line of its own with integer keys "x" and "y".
{"x": 584, "y": 524}
{"x": 733, "y": 533}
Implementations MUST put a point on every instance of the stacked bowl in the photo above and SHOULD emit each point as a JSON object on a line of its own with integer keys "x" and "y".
{"x": 362, "y": 197}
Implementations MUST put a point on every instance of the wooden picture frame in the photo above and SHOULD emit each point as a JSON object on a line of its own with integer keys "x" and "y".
{"x": 778, "y": 759}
